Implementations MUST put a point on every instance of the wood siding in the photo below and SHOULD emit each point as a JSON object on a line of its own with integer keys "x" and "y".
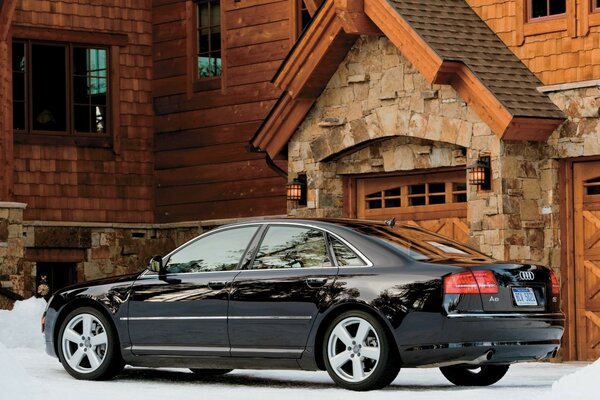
{"x": 110, "y": 179}
{"x": 203, "y": 167}
{"x": 558, "y": 50}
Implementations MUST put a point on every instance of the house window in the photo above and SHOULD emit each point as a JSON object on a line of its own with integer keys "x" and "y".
{"x": 546, "y": 8}
{"x": 208, "y": 23}
{"x": 417, "y": 194}
{"x": 59, "y": 88}
{"x": 596, "y": 5}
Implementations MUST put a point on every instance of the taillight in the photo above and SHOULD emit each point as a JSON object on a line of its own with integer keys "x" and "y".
{"x": 471, "y": 282}
{"x": 555, "y": 284}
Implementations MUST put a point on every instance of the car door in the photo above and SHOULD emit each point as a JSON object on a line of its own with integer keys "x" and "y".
{"x": 184, "y": 311}
{"x": 276, "y": 297}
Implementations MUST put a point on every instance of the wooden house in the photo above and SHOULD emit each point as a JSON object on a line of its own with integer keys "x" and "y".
{"x": 127, "y": 127}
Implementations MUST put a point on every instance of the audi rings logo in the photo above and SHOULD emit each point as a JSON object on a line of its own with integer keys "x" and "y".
{"x": 526, "y": 275}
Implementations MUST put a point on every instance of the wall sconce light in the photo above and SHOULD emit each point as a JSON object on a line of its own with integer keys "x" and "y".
{"x": 480, "y": 173}
{"x": 296, "y": 190}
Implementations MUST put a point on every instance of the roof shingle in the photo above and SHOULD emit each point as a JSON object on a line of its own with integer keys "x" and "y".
{"x": 456, "y": 33}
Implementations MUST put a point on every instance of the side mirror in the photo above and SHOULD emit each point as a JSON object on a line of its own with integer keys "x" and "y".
{"x": 156, "y": 264}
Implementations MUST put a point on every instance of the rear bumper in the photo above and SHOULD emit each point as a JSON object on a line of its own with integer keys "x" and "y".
{"x": 465, "y": 338}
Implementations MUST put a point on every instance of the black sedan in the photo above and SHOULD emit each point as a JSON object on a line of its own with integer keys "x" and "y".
{"x": 358, "y": 299}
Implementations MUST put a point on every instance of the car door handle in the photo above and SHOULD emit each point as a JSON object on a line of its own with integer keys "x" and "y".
{"x": 316, "y": 282}
{"x": 216, "y": 285}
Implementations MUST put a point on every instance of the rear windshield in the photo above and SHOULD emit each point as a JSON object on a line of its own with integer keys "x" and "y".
{"x": 421, "y": 245}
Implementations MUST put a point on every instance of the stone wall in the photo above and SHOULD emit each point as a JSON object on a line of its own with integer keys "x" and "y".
{"x": 12, "y": 247}
{"x": 378, "y": 114}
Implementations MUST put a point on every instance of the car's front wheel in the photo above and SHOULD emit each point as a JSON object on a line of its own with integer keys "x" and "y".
{"x": 359, "y": 353}
{"x": 474, "y": 376}
{"x": 88, "y": 346}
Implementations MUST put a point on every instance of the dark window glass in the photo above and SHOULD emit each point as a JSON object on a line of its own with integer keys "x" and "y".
{"x": 460, "y": 198}
{"x": 392, "y": 192}
{"x": 416, "y": 189}
{"x": 546, "y": 8}
{"x": 209, "y": 38}
{"x": 597, "y": 3}
{"x": 68, "y": 85}
{"x": 292, "y": 247}
{"x": 375, "y": 195}
{"x": 459, "y": 186}
{"x": 344, "y": 255}
{"x": 438, "y": 199}
{"x": 593, "y": 186}
{"x": 90, "y": 85}
{"x": 437, "y": 187}
{"x": 48, "y": 88}
{"x": 390, "y": 203}
{"x": 417, "y": 201}
{"x": 19, "y": 86}
{"x": 373, "y": 203}
{"x": 220, "y": 251}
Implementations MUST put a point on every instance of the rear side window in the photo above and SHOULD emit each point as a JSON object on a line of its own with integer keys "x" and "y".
{"x": 220, "y": 251}
{"x": 344, "y": 255}
{"x": 292, "y": 247}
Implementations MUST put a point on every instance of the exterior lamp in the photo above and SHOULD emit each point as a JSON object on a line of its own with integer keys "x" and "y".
{"x": 480, "y": 173}
{"x": 296, "y": 190}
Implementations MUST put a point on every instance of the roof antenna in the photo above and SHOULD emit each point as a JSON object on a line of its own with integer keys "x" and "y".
{"x": 390, "y": 222}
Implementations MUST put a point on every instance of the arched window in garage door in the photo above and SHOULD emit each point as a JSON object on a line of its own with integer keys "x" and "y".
{"x": 435, "y": 200}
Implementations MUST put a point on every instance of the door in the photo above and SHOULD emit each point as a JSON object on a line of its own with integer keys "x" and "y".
{"x": 184, "y": 311}
{"x": 434, "y": 201}
{"x": 274, "y": 302}
{"x": 586, "y": 197}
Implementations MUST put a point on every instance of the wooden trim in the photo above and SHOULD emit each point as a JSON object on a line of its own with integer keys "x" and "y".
{"x": 353, "y": 18}
{"x": 70, "y": 36}
{"x": 567, "y": 269}
{"x": 65, "y": 140}
{"x": 7, "y": 11}
{"x": 534, "y": 129}
{"x": 571, "y": 18}
{"x": 295, "y": 21}
{"x": 547, "y": 25}
{"x": 190, "y": 47}
{"x": 412, "y": 46}
{"x": 519, "y": 35}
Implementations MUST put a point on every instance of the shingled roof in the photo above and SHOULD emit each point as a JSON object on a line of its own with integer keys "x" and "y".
{"x": 456, "y": 33}
{"x": 444, "y": 39}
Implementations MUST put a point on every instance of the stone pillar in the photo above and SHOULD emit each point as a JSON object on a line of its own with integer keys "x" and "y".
{"x": 12, "y": 248}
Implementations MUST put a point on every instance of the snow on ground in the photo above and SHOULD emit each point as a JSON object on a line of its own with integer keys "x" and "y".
{"x": 27, "y": 373}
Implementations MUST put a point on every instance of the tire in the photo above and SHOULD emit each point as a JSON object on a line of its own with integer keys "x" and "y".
{"x": 88, "y": 347}
{"x": 210, "y": 372}
{"x": 468, "y": 376}
{"x": 346, "y": 337}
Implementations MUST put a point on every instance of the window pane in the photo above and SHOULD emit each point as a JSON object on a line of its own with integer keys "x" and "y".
{"x": 345, "y": 256}
{"x": 459, "y": 186}
{"x": 203, "y": 15}
{"x": 18, "y": 86}
{"x": 592, "y": 190}
{"x": 19, "y": 116}
{"x": 373, "y": 204}
{"x": 99, "y": 117}
{"x": 375, "y": 195}
{"x": 203, "y": 42}
{"x": 48, "y": 81}
{"x": 417, "y": 201}
{"x": 82, "y": 119}
{"x": 460, "y": 198}
{"x": 393, "y": 192}
{"x": 437, "y": 187}
{"x": 292, "y": 247}
{"x": 18, "y": 56}
{"x": 81, "y": 90}
{"x": 416, "y": 189}
{"x": 215, "y": 17}
{"x": 220, "y": 251}
{"x": 557, "y": 7}
{"x": 390, "y": 203}
{"x": 539, "y": 8}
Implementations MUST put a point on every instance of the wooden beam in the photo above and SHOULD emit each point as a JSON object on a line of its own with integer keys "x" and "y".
{"x": 70, "y": 35}
{"x": 312, "y": 6}
{"x": 534, "y": 129}
{"x": 7, "y": 10}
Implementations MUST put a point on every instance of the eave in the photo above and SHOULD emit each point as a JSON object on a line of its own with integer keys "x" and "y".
{"x": 318, "y": 53}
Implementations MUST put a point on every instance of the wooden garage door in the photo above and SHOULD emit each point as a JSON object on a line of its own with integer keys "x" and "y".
{"x": 435, "y": 201}
{"x": 586, "y": 196}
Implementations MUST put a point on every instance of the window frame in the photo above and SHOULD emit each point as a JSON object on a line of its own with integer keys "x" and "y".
{"x": 208, "y": 82}
{"x": 69, "y": 132}
{"x": 530, "y": 18}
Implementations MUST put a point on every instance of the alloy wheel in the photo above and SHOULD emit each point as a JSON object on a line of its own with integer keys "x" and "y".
{"x": 84, "y": 343}
{"x": 353, "y": 349}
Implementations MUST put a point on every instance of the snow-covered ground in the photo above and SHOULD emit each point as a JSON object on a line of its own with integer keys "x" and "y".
{"x": 27, "y": 373}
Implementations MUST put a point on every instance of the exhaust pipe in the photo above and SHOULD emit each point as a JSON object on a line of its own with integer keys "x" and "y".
{"x": 487, "y": 356}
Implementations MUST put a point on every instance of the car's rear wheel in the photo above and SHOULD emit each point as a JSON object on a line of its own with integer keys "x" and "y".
{"x": 210, "y": 372}
{"x": 88, "y": 345}
{"x": 474, "y": 376}
{"x": 358, "y": 352}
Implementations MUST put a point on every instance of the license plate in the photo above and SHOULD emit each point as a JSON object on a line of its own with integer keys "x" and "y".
{"x": 524, "y": 296}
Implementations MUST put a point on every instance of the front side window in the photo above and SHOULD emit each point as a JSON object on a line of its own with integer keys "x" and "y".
{"x": 292, "y": 247}
{"x": 59, "y": 88}
{"x": 220, "y": 251}
{"x": 546, "y": 8}
{"x": 208, "y": 21}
